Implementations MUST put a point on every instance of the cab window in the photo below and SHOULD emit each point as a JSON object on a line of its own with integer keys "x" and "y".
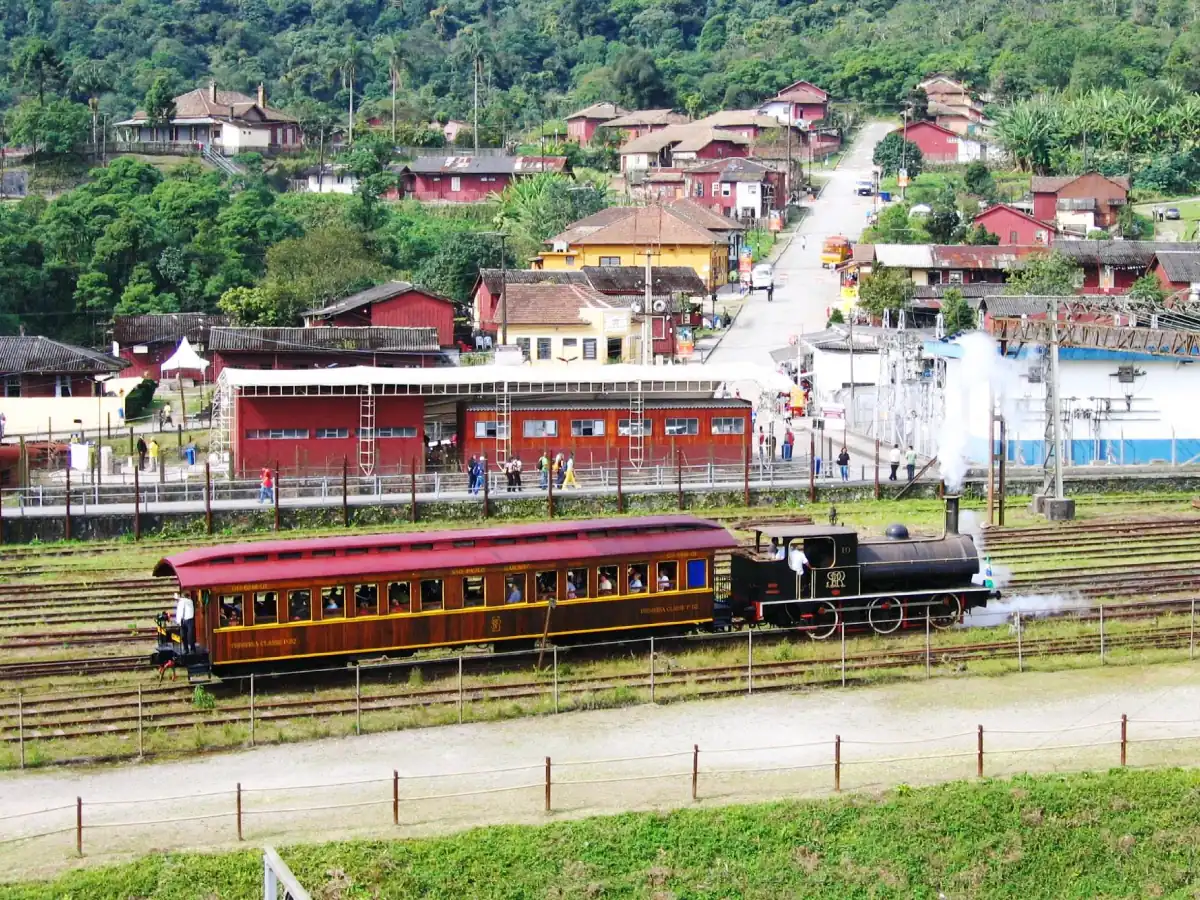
{"x": 231, "y": 610}
{"x": 333, "y": 602}
{"x": 266, "y": 608}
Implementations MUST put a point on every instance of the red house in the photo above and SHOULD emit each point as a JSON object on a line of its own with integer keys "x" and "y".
{"x": 938, "y": 144}
{"x": 396, "y": 304}
{"x": 1177, "y": 270}
{"x": 1080, "y": 203}
{"x": 34, "y": 366}
{"x": 1111, "y": 267}
{"x": 469, "y": 179}
{"x": 801, "y": 103}
{"x": 323, "y": 348}
{"x": 734, "y": 186}
{"x": 645, "y": 121}
{"x": 1014, "y": 227}
{"x": 146, "y": 342}
{"x": 582, "y": 125}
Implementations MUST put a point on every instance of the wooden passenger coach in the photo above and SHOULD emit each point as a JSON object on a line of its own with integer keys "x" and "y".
{"x": 358, "y": 596}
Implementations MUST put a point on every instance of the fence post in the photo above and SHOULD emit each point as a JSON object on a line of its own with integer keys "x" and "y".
{"x": 395, "y": 797}
{"x": 1192, "y": 636}
{"x": 108, "y": 425}
{"x": 746, "y": 478}
{"x": 67, "y": 517}
{"x": 555, "y": 649}
{"x": 345, "y": 493}
{"x": 141, "y": 747}
{"x": 812, "y": 467}
{"x": 620, "y": 493}
{"x": 550, "y": 494}
{"x": 179, "y": 426}
{"x": 239, "y": 810}
{"x": 486, "y": 480}
{"x": 21, "y": 726}
{"x": 695, "y": 769}
{"x": 979, "y": 753}
{"x": 412, "y": 493}
{"x": 842, "y": 626}
{"x": 131, "y": 451}
{"x": 251, "y": 709}
{"x": 1101, "y": 634}
{"x": 547, "y": 784}
{"x": 208, "y": 498}
{"x": 679, "y": 477}
{"x": 79, "y": 825}
{"x": 837, "y": 762}
{"x": 876, "y": 468}
{"x": 276, "y": 493}
{"x": 749, "y": 661}
{"x": 1124, "y": 737}
{"x": 357, "y": 699}
{"x": 137, "y": 504}
{"x": 651, "y": 668}
{"x": 460, "y": 690}
{"x": 928, "y": 661}
{"x": 1020, "y": 653}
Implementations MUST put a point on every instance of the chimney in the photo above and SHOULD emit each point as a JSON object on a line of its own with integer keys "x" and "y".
{"x": 262, "y": 95}
{"x": 951, "y": 514}
{"x": 212, "y": 89}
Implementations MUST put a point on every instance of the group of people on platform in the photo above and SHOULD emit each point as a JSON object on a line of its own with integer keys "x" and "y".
{"x": 559, "y": 470}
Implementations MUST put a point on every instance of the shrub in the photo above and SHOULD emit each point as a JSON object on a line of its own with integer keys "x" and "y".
{"x": 138, "y": 400}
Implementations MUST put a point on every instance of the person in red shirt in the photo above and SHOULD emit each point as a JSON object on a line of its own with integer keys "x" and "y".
{"x": 266, "y": 486}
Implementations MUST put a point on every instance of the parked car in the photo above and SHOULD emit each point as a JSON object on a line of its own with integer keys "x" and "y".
{"x": 762, "y": 277}
{"x": 864, "y": 187}
{"x": 1172, "y": 213}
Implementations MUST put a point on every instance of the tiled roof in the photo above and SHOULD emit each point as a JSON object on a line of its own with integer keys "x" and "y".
{"x": 380, "y": 292}
{"x": 37, "y": 354}
{"x": 636, "y": 225}
{"x": 802, "y": 92}
{"x": 1017, "y": 212}
{"x": 729, "y": 118}
{"x": 491, "y": 277}
{"x": 413, "y": 340}
{"x": 1180, "y": 266}
{"x": 485, "y": 165}
{"x": 631, "y": 279}
{"x": 603, "y": 111}
{"x": 149, "y": 329}
{"x": 199, "y": 104}
{"x": 734, "y": 168}
{"x": 646, "y": 117}
{"x": 1133, "y": 254}
{"x": 589, "y": 225}
{"x": 552, "y": 304}
{"x": 1052, "y": 184}
{"x": 705, "y": 218}
{"x": 684, "y": 138}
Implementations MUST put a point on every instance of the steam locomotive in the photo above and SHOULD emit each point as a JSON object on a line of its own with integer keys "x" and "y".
{"x": 825, "y": 577}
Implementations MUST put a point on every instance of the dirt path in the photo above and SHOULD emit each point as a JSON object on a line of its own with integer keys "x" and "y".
{"x": 734, "y": 735}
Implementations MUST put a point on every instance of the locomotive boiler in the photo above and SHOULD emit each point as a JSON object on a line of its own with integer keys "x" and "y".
{"x": 825, "y": 577}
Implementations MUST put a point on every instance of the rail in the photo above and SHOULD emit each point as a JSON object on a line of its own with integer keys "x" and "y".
{"x": 688, "y": 772}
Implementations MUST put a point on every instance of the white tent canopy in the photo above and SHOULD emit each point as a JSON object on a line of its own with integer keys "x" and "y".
{"x": 184, "y": 357}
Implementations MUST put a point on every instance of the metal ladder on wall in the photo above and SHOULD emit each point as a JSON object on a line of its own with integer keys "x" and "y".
{"x": 366, "y": 433}
{"x": 637, "y": 428}
{"x": 220, "y": 437}
{"x": 503, "y": 425}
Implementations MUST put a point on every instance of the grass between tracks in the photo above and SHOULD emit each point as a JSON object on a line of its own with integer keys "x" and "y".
{"x": 1120, "y": 834}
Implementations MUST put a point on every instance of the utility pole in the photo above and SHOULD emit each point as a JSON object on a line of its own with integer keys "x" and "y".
{"x": 850, "y": 343}
{"x": 787, "y": 178}
{"x": 503, "y": 293}
{"x": 1053, "y": 387}
{"x": 904, "y": 153}
{"x": 647, "y": 357}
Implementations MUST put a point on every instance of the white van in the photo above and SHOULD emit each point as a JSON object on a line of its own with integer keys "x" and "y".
{"x": 762, "y": 277}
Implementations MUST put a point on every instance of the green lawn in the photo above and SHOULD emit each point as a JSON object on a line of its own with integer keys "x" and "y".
{"x": 1183, "y": 229}
{"x": 1120, "y": 834}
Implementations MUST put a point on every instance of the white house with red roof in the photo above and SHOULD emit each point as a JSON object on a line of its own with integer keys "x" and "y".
{"x": 801, "y": 103}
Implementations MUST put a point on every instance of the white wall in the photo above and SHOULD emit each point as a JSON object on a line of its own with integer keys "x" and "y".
{"x": 238, "y": 139}
{"x": 332, "y": 184}
{"x": 31, "y": 416}
{"x": 831, "y": 370}
{"x": 748, "y": 196}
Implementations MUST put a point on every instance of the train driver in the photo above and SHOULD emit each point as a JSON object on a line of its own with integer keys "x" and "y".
{"x": 777, "y": 551}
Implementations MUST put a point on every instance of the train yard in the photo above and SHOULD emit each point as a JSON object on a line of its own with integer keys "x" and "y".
{"x": 74, "y": 684}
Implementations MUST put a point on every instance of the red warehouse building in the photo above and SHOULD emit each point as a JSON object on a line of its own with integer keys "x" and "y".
{"x": 1015, "y": 228}
{"x": 701, "y": 431}
{"x": 146, "y": 342}
{"x": 582, "y": 125}
{"x": 938, "y": 144}
{"x": 469, "y": 179}
{"x": 1177, "y": 271}
{"x": 323, "y": 348}
{"x": 396, "y": 304}
{"x": 1111, "y": 267}
{"x": 35, "y": 366}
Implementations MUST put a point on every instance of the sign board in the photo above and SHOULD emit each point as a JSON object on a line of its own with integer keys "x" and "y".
{"x": 902, "y": 178}
{"x": 685, "y": 343}
{"x": 745, "y": 262}
{"x": 833, "y": 411}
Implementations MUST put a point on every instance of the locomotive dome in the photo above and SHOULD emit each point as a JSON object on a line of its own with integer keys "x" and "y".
{"x": 897, "y": 532}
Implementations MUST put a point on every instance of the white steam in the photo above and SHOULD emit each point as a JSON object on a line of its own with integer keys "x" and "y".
{"x": 981, "y": 374}
{"x": 1030, "y": 606}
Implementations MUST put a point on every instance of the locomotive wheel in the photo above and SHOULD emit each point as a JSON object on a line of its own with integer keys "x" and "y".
{"x": 885, "y": 614}
{"x": 822, "y": 622}
{"x": 945, "y": 611}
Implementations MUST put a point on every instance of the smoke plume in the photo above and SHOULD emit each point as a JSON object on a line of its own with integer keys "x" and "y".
{"x": 1030, "y": 606}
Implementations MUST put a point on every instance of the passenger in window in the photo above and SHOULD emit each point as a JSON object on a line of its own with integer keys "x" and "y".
{"x": 335, "y": 602}
{"x": 365, "y": 600}
{"x": 514, "y": 592}
{"x": 572, "y": 592}
{"x": 398, "y": 597}
{"x": 636, "y": 585}
{"x": 265, "y": 609}
{"x": 664, "y": 583}
{"x": 547, "y": 587}
{"x": 605, "y": 585}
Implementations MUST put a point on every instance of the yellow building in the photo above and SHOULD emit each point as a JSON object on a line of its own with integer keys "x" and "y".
{"x": 562, "y": 323}
{"x": 622, "y": 236}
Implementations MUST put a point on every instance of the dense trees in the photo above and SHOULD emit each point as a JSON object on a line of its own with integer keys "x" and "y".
{"x": 894, "y": 153}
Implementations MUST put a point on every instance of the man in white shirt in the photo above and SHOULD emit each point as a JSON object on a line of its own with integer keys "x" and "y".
{"x": 185, "y": 615}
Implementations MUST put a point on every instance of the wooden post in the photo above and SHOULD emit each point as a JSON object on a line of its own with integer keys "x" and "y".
{"x": 208, "y": 526}
{"x": 141, "y": 746}
{"x": 108, "y": 425}
{"x": 395, "y": 797}
{"x": 275, "y": 494}
{"x": 345, "y": 493}
{"x": 79, "y": 825}
{"x": 876, "y": 468}
{"x": 21, "y": 726}
{"x": 620, "y": 492}
{"x": 837, "y": 762}
{"x": 486, "y": 506}
{"x": 749, "y": 660}
{"x": 812, "y": 467}
{"x": 1101, "y": 634}
{"x": 550, "y": 494}
{"x": 239, "y": 810}
{"x": 132, "y": 452}
{"x": 695, "y": 769}
{"x": 412, "y": 493}
{"x": 1124, "y": 737}
{"x": 979, "y": 753}
{"x": 137, "y": 502}
{"x": 179, "y": 432}
{"x": 358, "y": 699}
{"x": 679, "y": 477}
{"x": 1020, "y": 654}
{"x": 547, "y": 784}
{"x": 67, "y": 517}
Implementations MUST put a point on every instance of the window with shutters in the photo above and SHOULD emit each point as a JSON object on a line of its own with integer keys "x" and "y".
{"x": 543, "y": 348}
{"x": 589, "y": 348}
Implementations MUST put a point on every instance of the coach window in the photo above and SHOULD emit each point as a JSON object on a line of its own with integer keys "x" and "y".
{"x": 577, "y": 584}
{"x": 514, "y": 588}
{"x": 299, "y": 606}
{"x": 637, "y": 578}
{"x": 606, "y": 581}
{"x": 431, "y": 594}
{"x": 366, "y": 600}
{"x": 266, "y": 608}
{"x": 231, "y": 610}
{"x": 697, "y": 573}
{"x": 399, "y": 597}
{"x": 472, "y": 588}
{"x": 333, "y": 602}
{"x": 668, "y": 576}
{"x": 547, "y": 586}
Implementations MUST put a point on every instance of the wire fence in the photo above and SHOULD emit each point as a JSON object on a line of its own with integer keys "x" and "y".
{"x": 692, "y": 773}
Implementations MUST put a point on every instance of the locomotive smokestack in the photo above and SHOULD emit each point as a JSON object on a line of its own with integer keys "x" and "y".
{"x": 951, "y": 514}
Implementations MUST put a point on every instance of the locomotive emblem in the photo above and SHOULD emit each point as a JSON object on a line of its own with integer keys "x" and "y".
{"x": 495, "y": 624}
{"x": 835, "y": 580}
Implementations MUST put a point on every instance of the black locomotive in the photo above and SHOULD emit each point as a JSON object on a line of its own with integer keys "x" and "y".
{"x": 874, "y": 584}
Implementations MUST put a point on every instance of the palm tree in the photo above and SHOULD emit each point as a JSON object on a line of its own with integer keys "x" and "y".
{"x": 390, "y": 49}
{"x": 346, "y": 62}
{"x": 92, "y": 77}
